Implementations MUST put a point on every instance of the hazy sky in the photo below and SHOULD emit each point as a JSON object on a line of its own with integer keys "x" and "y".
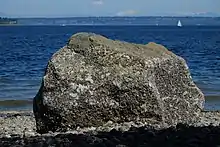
{"x": 53, "y": 8}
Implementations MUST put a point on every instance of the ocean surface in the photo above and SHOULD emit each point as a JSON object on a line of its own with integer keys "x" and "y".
{"x": 26, "y": 48}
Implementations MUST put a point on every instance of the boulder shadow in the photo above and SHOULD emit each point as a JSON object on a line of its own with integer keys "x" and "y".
{"x": 180, "y": 136}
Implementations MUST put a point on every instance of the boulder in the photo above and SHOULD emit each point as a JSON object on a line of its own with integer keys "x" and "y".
{"x": 93, "y": 80}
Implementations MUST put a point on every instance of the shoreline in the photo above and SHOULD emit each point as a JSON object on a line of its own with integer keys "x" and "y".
{"x": 27, "y": 104}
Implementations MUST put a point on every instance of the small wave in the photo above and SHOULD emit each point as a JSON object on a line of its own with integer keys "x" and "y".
{"x": 212, "y": 102}
{"x": 210, "y": 98}
{"x": 16, "y": 104}
{"x": 5, "y": 80}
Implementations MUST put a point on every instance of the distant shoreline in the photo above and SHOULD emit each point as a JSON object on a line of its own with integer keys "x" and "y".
{"x": 104, "y": 25}
{"x": 70, "y": 17}
{"x": 10, "y": 24}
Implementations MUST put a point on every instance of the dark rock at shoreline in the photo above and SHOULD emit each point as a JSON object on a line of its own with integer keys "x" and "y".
{"x": 179, "y": 136}
{"x": 94, "y": 80}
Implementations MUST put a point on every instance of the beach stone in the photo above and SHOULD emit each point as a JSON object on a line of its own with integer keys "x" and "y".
{"x": 93, "y": 80}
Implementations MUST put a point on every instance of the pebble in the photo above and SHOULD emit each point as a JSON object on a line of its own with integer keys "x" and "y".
{"x": 8, "y": 136}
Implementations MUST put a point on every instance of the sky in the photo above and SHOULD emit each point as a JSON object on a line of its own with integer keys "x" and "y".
{"x": 71, "y": 8}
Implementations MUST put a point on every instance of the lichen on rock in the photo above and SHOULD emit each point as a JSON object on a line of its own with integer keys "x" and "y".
{"x": 93, "y": 80}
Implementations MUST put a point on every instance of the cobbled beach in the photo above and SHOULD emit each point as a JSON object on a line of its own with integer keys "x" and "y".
{"x": 18, "y": 129}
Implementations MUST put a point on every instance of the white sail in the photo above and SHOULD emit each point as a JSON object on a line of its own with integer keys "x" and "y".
{"x": 179, "y": 24}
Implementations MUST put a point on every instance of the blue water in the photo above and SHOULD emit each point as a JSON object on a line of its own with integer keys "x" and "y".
{"x": 164, "y": 21}
{"x": 25, "y": 51}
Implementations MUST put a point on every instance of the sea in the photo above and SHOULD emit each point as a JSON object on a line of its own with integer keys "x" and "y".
{"x": 25, "y": 49}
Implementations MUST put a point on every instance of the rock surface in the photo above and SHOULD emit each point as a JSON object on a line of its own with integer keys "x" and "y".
{"x": 93, "y": 80}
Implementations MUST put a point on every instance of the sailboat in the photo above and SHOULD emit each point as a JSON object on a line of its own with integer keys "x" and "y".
{"x": 179, "y": 24}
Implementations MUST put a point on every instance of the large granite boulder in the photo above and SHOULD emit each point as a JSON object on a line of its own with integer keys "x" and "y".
{"x": 93, "y": 80}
